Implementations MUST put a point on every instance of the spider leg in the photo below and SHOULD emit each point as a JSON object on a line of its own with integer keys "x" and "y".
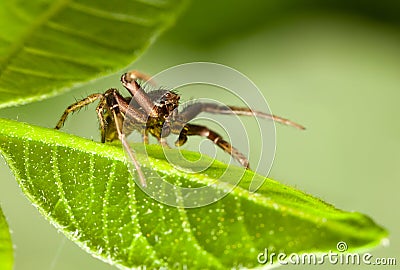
{"x": 128, "y": 80}
{"x": 99, "y": 111}
{"x": 189, "y": 130}
{"x": 193, "y": 110}
{"x": 145, "y": 136}
{"x": 76, "y": 106}
{"x": 141, "y": 76}
{"x": 129, "y": 111}
{"x": 132, "y": 116}
{"x": 127, "y": 147}
{"x": 163, "y": 142}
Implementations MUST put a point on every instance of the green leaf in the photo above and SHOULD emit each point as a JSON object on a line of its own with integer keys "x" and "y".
{"x": 85, "y": 189}
{"x": 6, "y": 249}
{"x": 49, "y": 46}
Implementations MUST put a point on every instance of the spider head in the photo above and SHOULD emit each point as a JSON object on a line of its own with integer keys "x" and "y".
{"x": 165, "y": 100}
{"x": 170, "y": 100}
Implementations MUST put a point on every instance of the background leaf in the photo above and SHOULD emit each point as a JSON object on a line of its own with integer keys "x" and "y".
{"x": 266, "y": 14}
{"x": 84, "y": 188}
{"x": 6, "y": 249}
{"x": 46, "y": 47}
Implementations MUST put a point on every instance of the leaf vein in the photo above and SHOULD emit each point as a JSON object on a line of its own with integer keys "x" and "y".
{"x": 105, "y": 202}
{"x": 60, "y": 188}
{"x": 56, "y": 56}
{"x": 8, "y": 91}
{"x": 153, "y": 3}
{"x": 84, "y": 36}
{"x": 134, "y": 215}
{"x": 41, "y": 74}
{"x": 18, "y": 12}
{"x": 54, "y": 8}
{"x": 26, "y": 159}
{"x": 188, "y": 229}
{"x": 91, "y": 180}
{"x": 112, "y": 15}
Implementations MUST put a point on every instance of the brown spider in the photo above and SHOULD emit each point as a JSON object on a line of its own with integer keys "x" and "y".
{"x": 156, "y": 113}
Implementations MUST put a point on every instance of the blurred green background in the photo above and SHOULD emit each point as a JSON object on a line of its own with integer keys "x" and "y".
{"x": 333, "y": 66}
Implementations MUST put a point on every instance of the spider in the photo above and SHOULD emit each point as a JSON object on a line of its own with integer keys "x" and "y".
{"x": 156, "y": 112}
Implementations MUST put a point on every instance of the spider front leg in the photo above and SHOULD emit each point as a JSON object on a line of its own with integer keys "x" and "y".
{"x": 125, "y": 144}
{"x": 129, "y": 81}
{"x": 132, "y": 117}
{"x": 76, "y": 106}
{"x": 190, "y": 130}
{"x": 193, "y": 110}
